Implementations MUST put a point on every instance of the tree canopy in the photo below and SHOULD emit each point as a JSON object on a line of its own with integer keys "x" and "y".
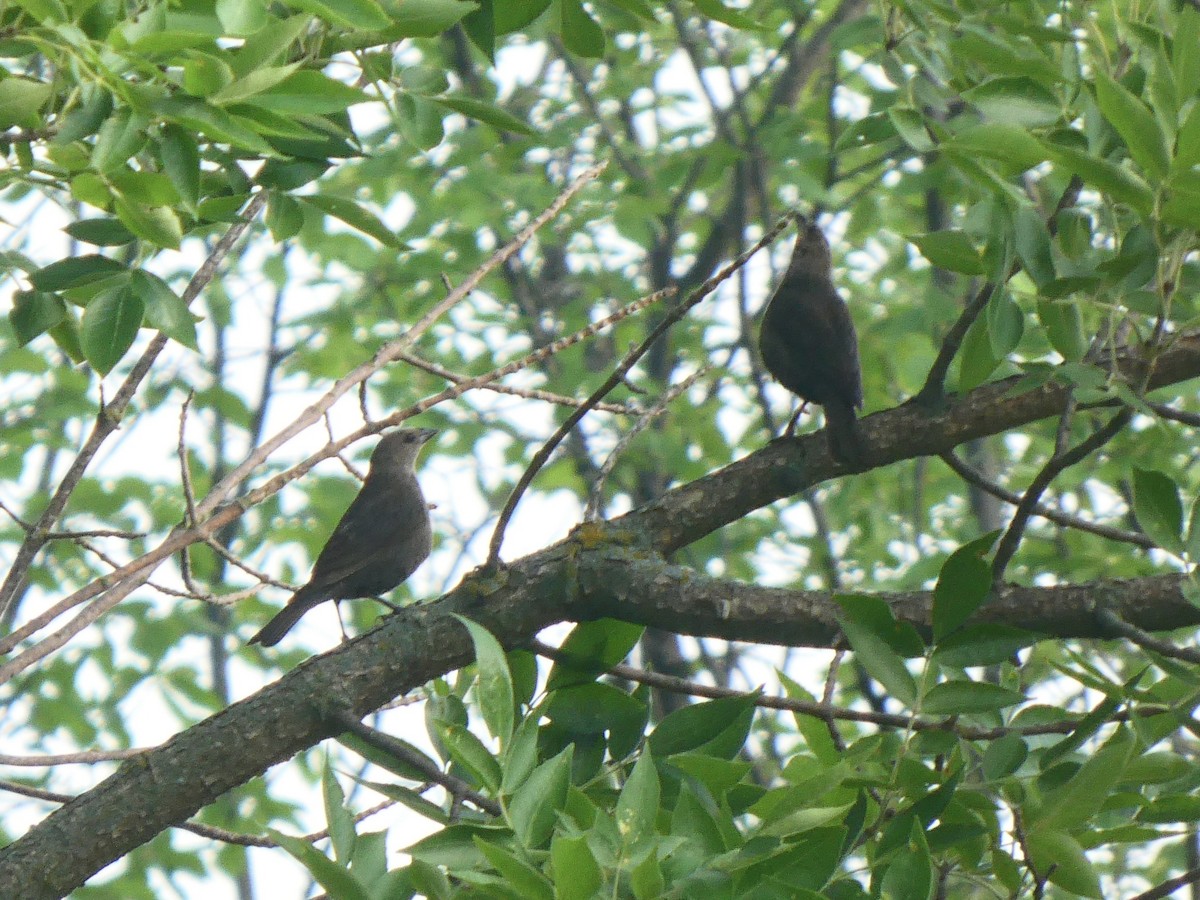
{"x": 244, "y": 238}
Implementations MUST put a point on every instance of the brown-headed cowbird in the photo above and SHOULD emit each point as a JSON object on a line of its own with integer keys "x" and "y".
{"x": 808, "y": 343}
{"x": 380, "y": 540}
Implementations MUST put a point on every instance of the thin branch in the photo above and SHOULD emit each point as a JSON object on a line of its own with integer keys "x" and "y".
{"x": 975, "y": 477}
{"x": 1144, "y": 639}
{"x": 593, "y": 505}
{"x": 827, "y": 712}
{"x": 1029, "y": 501}
{"x": 622, "y": 409}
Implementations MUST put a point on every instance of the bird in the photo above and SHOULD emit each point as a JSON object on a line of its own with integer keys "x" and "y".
{"x": 808, "y": 344}
{"x": 380, "y": 540}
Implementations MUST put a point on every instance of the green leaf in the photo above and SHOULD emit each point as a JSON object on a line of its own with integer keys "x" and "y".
{"x": 1006, "y": 323}
{"x": 1031, "y": 238}
{"x": 590, "y": 649}
{"x": 110, "y": 324}
{"x": 1015, "y": 100}
{"x": 720, "y": 725}
{"x": 75, "y": 272}
{"x": 215, "y": 123}
{"x": 951, "y": 698}
{"x": 1063, "y": 325}
{"x": 518, "y": 875}
{"x": 977, "y": 359}
{"x": 494, "y": 686}
{"x": 996, "y": 140}
{"x": 119, "y": 138}
{"x": 637, "y": 804}
{"x": 576, "y": 872}
{"x": 341, "y": 823}
{"x": 1185, "y": 40}
{"x": 1058, "y": 854}
{"x": 429, "y": 18}
{"x": 242, "y": 18}
{"x": 1004, "y": 756}
{"x": 717, "y": 10}
{"x": 305, "y": 91}
{"x": 21, "y": 102}
{"x": 468, "y": 751}
{"x": 873, "y": 650}
{"x": 950, "y": 250}
{"x": 252, "y": 83}
{"x": 1135, "y": 123}
{"x": 366, "y": 15}
{"x": 284, "y": 216}
{"x": 337, "y": 881}
{"x": 911, "y": 126}
{"x": 356, "y": 217}
{"x": 33, "y": 313}
{"x": 1158, "y": 508}
{"x": 594, "y": 708}
{"x": 101, "y": 232}
{"x": 581, "y": 33}
{"x": 420, "y": 120}
{"x": 165, "y": 310}
{"x": 1122, "y": 185}
{"x": 534, "y": 807}
{"x": 1073, "y": 804}
{"x": 963, "y": 585}
{"x": 157, "y": 224}
{"x": 484, "y": 112}
{"x": 982, "y": 644}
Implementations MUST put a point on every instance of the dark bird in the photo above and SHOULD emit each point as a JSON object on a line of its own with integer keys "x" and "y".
{"x": 379, "y": 542}
{"x": 808, "y": 343}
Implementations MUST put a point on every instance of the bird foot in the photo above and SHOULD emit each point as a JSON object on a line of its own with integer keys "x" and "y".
{"x": 394, "y": 607}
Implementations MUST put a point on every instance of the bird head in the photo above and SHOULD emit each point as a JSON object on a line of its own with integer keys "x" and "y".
{"x": 397, "y": 451}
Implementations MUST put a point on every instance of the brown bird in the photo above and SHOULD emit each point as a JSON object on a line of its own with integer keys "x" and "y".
{"x": 808, "y": 343}
{"x": 379, "y": 541}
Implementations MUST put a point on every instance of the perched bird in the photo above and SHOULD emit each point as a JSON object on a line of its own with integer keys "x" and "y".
{"x": 379, "y": 542}
{"x": 808, "y": 343}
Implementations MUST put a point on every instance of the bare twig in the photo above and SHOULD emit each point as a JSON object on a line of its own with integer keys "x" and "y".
{"x": 1029, "y": 501}
{"x": 969, "y": 474}
{"x": 593, "y": 505}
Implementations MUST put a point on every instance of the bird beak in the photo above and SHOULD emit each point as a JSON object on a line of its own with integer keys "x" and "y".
{"x": 426, "y": 433}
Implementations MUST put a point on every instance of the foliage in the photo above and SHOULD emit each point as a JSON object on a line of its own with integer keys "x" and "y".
{"x": 255, "y": 199}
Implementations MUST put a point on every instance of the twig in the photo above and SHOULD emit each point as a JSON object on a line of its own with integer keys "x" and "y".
{"x": 1144, "y": 639}
{"x": 1170, "y": 886}
{"x": 1029, "y": 501}
{"x": 618, "y": 375}
{"x": 593, "y": 505}
{"x": 528, "y": 393}
{"x": 825, "y": 711}
{"x": 973, "y": 476}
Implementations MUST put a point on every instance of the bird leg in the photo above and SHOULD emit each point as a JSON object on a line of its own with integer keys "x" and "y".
{"x": 791, "y": 426}
{"x": 394, "y": 607}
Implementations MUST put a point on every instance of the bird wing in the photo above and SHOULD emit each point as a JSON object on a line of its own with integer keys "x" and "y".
{"x": 825, "y": 331}
{"x": 366, "y": 532}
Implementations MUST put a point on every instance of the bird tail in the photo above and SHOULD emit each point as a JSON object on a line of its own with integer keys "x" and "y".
{"x": 846, "y": 442}
{"x": 272, "y": 633}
